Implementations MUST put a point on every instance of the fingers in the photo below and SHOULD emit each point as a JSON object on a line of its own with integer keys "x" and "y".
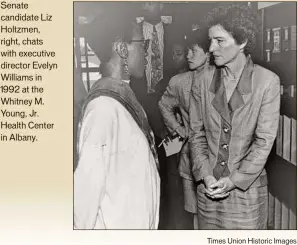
{"x": 174, "y": 133}
{"x": 217, "y": 184}
{"x": 181, "y": 131}
{"x": 217, "y": 191}
{"x": 208, "y": 192}
{"x": 219, "y": 196}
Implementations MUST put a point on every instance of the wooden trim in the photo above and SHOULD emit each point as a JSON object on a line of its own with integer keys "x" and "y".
{"x": 285, "y": 217}
{"x": 277, "y": 214}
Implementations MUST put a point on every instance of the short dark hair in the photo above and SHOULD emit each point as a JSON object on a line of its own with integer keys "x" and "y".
{"x": 239, "y": 20}
{"x": 199, "y": 37}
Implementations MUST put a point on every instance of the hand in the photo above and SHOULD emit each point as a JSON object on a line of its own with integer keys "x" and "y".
{"x": 208, "y": 181}
{"x": 221, "y": 188}
{"x": 167, "y": 139}
{"x": 181, "y": 131}
{"x": 179, "y": 118}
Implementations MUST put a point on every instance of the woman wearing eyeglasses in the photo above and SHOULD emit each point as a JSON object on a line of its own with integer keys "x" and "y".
{"x": 116, "y": 182}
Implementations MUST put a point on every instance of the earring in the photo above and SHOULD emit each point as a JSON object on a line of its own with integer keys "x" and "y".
{"x": 122, "y": 50}
{"x": 126, "y": 68}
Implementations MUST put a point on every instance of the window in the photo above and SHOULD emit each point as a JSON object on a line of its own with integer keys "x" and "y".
{"x": 86, "y": 61}
{"x": 268, "y": 55}
{"x": 285, "y": 44}
{"x": 276, "y": 40}
{"x": 268, "y": 35}
{"x": 293, "y": 37}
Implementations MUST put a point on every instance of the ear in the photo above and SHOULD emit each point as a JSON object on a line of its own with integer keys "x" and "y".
{"x": 121, "y": 48}
{"x": 242, "y": 46}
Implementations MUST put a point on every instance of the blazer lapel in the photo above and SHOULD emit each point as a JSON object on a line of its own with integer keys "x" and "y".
{"x": 219, "y": 102}
{"x": 243, "y": 87}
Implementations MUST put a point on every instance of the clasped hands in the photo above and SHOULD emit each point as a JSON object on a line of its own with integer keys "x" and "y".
{"x": 218, "y": 189}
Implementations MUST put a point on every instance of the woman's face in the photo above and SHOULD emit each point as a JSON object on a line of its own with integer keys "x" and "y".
{"x": 136, "y": 54}
{"x": 178, "y": 56}
{"x": 196, "y": 57}
{"x": 223, "y": 46}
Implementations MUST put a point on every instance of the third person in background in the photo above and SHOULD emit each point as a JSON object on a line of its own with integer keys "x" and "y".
{"x": 177, "y": 96}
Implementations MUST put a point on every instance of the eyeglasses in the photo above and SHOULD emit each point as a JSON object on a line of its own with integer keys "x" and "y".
{"x": 145, "y": 43}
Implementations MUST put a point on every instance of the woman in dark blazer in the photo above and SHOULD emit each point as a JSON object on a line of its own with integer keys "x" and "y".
{"x": 234, "y": 115}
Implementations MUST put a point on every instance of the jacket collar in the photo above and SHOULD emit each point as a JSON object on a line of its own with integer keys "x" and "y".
{"x": 243, "y": 87}
{"x": 236, "y": 101}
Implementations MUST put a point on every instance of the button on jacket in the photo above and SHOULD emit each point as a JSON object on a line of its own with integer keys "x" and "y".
{"x": 239, "y": 133}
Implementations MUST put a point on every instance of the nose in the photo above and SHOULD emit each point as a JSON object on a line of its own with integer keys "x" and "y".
{"x": 213, "y": 46}
{"x": 189, "y": 54}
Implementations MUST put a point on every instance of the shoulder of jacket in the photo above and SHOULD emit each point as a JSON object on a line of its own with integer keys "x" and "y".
{"x": 268, "y": 75}
{"x": 175, "y": 80}
{"x": 104, "y": 105}
{"x": 204, "y": 75}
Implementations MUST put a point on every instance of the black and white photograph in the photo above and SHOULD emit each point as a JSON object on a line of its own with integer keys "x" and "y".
{"x": 184, "y": 115}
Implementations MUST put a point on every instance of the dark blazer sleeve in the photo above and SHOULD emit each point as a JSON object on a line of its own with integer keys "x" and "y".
{"x": 167, "y": 104}
{"x": 265, "y": 134}
{"x": 197, "y": 136}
